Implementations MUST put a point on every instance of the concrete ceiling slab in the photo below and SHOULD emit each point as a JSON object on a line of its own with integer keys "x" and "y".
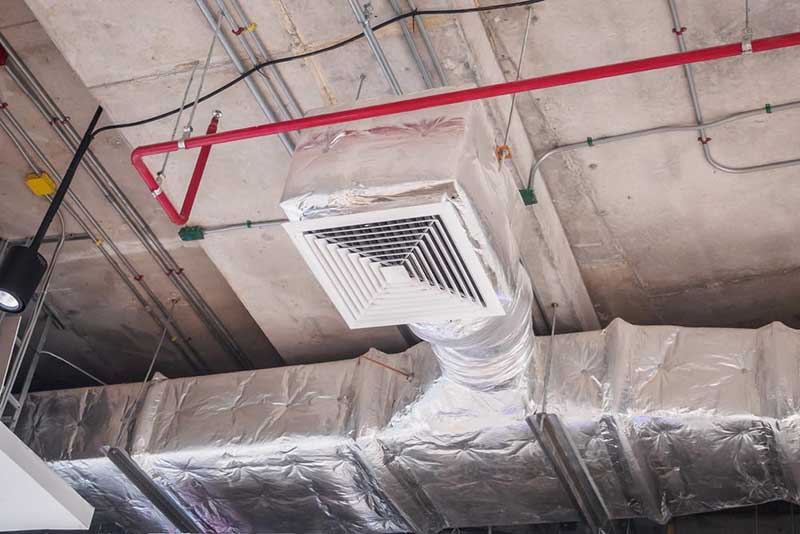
{"x": 245, "y": 180}
{"x": 16, "y": 13}
{"x": 649, "y": 217}
{"x": 110, "y": 335}
{"x": 653, "y": 229}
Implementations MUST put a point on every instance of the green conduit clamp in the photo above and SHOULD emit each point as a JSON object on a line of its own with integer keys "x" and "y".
{"x": 768, "y": 108}
{"x": 590, "y": 141}
{"x": 248, "y": 223}
{"x": 528, "y": 196}
{"x": 191, "y": 233}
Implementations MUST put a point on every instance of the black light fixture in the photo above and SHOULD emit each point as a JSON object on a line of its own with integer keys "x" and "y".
{"x": 23, "y": 267}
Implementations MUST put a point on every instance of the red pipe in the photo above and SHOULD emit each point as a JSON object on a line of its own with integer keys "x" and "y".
{"x": 443, "y": 99}
{"x": 194, "y": 184}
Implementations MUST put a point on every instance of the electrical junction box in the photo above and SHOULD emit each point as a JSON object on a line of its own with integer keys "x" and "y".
{"x": 40, "y": 184}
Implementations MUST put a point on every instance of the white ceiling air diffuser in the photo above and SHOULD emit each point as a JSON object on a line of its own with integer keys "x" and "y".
{"x": 397, "y": 266}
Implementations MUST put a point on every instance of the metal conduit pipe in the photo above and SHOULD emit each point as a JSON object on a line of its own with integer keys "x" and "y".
{"x": 241, "y": 226}
{"x": 83, "y": 236}
{"x": 240, "y": 68}
{"x": 176, "y": 334}
{"x": 412, "y": 46}
{"x": 273, "y": 92}
{"x": 13, "y": 373}
{"x": 426, "y": 39}
{"x": 678, "y": 30}
{"x": 594, "y": 141}
{"x": 194, "y": 233}
{"x": 100, "y": 238}
{"x": 291, "y": 102}
{"x": 375, "y": 46}
{"x": 119, "y": 200}
{"x": 136, "y": 222}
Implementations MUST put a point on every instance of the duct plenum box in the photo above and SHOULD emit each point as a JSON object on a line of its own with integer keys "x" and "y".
{"x": 405, "y": 218}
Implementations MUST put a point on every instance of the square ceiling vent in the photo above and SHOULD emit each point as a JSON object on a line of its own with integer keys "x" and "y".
{"x": 397, "y": 266}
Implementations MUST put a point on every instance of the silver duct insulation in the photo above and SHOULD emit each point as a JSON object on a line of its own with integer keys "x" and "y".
{"x": 669, "y": 421}
{"x": 487, "y": 353}
{"x": 436, "y": 155}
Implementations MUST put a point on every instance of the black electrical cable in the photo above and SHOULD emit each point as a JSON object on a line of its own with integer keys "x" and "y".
{"x": 345, "y": 42}
{"x": 61, "y": 192}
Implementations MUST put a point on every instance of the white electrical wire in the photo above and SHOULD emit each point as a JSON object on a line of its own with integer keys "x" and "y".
{"x": 74, "y": 366}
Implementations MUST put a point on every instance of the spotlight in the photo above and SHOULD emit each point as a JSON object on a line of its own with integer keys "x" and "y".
{"x": 23, "y": 267}
{"x": 20, "y": 273}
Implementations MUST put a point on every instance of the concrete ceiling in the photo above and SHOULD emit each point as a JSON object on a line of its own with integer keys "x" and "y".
{"x": 643, "y": 229}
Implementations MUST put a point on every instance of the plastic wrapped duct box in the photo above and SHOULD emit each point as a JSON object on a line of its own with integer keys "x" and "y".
{"x": 405, "y": 220}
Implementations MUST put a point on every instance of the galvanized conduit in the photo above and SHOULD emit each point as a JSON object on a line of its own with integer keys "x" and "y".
{"x": 119, "y": 200}
{"x": 698, "y": 113}
{"x": 138, "y": 225}
{"x": 176, "y": 335}
{"x": 412, "y": 46}
{"x": 241, "y": 226}
{"x": 592, "y": 141}
{"x": 700, "y": 127}
{"x": 426, "y": 40}
{"x": 241, "y": 34}
{"x": 375, "y": 46}
{"x": 291, "y": 102}
{"x": 240, "y": 68}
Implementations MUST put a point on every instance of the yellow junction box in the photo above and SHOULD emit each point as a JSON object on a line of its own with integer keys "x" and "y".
{"x": 40, "y": 184}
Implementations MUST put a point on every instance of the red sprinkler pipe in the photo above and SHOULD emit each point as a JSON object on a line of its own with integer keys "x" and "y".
{"x": 442, "y": 99}
{"x": 194, "y": 183}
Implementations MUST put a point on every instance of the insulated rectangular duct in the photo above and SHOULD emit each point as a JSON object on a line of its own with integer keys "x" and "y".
{"x": 669, "y": 421}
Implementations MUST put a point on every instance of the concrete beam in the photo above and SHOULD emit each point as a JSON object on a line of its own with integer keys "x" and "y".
{"x": 546, "y": 252}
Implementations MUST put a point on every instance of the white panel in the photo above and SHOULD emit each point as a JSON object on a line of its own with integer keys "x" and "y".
{"x": 397, "y": 266}
{"x": 32, "y": 496}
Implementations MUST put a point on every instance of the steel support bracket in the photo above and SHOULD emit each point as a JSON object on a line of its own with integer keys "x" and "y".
{"x": 747, "y": 42}
{"x": 571, "y": 471}
{"x": 163, "y": 500}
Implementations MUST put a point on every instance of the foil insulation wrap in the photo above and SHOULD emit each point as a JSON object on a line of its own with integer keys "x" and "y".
{"x": 441, "y": 155}
{"x": 668, "y": 420}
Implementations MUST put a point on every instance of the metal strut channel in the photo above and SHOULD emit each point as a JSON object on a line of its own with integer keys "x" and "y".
{"x": 571, "y": 471}
{"x": 164, "y": 501}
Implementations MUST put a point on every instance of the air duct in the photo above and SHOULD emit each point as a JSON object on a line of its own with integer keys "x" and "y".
{"x": 406, "y": 221}
{"x": 668, "y": 420}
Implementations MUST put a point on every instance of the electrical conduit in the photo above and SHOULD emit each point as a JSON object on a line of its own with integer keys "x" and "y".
{"x": 20, "y": 73}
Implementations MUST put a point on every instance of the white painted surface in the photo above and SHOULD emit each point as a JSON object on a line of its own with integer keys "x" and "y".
{"x": 32, "y": 496}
